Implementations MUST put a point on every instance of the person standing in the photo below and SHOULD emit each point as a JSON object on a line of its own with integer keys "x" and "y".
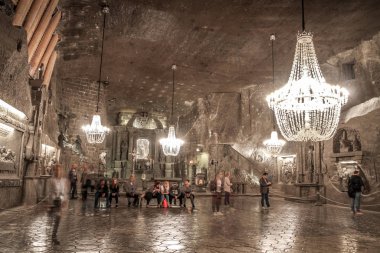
{"x": 216, "y": 189}
{"x": 73, "y": 180}
{"x": 355, "y": 185}
{"x": 84, "y": 182}
{"x": 58, "y": 194}
{"x": 264, "y": 190}
{"x": 227, "y": 188}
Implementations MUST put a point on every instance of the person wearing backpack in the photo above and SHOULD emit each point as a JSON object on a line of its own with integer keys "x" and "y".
{"x": 355, "y": 185}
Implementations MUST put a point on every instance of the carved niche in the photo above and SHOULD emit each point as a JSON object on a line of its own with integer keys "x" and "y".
{"x": 346, "y": 140}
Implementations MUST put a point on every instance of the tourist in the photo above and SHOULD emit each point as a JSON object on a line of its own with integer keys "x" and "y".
{"x": 165, "y": 192}
{"x": 114, "y": 192}
{"x": 130, "y": 188}
{"x": 59, "y": 189}
{"x": 227, "y": 188}
{"x": 216, "y": 189}
{"x": 153, "y": 192}
{"x": 188, "y": 193}
{"x": 355, "y": 185}
{"x": 264, "y": 190}
{"x": 73, "y": 180}
{"x": 101, "y": 192}
{"x": 85, "y": 182}
{"x": 175, "y": 193}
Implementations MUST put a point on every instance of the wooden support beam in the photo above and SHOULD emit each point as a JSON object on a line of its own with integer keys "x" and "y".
{"x": 21, "y": 11}
{"x": 33, "y": 26}
{"x": 49, "y": 69}
{"x": 36, "y": 58}
{"x": 32, "y": 14}
{"x": 35, "y": 63}
{"x": 40, "y": 31}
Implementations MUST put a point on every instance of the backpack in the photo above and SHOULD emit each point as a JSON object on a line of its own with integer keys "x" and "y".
{"x": 212, "y": 185}
{"x": 351, "y": 189}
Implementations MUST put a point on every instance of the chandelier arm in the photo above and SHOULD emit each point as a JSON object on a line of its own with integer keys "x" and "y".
{"x": 105, "y": 10}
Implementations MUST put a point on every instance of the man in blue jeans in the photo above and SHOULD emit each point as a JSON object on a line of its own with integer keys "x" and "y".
{"x": 355, "y": 185}
{"x": 264, "y": 190}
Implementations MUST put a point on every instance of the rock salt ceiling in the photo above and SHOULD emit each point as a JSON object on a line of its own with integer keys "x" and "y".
{"x": 219, "y": 46}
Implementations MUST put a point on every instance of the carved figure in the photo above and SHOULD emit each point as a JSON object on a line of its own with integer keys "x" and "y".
{"x": 7, "y": 155}
{"x": 345, "y": 145}
{"x": 102, "y": 158}
{"x": 123, "y": 150}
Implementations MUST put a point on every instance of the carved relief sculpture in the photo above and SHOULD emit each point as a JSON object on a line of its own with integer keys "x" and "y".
{"x": 346, "y": 140}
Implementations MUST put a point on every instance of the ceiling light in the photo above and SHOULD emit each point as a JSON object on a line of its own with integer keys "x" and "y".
{"x": 96, "y": 133}
{"x": 307, "y": 108}
{"x": 273, "y": 145}
{"x": 171, "y": 145}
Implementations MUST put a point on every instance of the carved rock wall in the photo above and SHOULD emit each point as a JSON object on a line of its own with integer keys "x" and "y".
{"x": 78, "y": 99}
{"x": 14, "y": 88}
{"x": 368, "y": 130}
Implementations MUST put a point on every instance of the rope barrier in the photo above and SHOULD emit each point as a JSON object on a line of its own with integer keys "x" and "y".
{"x": 343, "y": 203}
{"x": 364, "y": 195}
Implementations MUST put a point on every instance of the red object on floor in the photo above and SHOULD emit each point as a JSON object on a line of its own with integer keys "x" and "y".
{"x": 164, "y": 203}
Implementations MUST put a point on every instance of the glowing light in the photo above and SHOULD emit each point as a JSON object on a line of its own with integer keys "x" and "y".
{"x": 171, "y": 145}
{"x": 95, "y": 133}
{"x": 307, "y": 108}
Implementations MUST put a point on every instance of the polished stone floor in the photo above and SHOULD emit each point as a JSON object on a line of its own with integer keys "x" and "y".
{"x": 244, "y": 227}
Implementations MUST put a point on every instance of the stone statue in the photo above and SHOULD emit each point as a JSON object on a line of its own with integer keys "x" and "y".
{"x": 102, "y": 158}
{"x": 345, "y": 145}
{"x": 77, "y": 146}
{"x": 123, "y": 150}
{"x": 310, "y": 163}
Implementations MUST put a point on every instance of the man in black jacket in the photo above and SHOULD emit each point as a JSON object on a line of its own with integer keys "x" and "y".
{"x": 355, "y": 185}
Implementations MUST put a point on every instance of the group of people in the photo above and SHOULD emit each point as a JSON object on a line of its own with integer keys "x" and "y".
{"x": 163, "y": 192}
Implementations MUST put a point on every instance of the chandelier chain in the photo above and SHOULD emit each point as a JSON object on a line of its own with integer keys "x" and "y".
{"x": 105, "y": 11}
{"x": 303, "y": 17}
{"x": 273, "y": 38}
{"x": 174, "y": 67}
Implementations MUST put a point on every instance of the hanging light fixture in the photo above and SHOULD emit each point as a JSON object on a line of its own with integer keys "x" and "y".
{"x": 273, "y": 145}
{"x": 96, "y": 133}
{"x": 171, "y": 145}
{"x": 307, "y": 108}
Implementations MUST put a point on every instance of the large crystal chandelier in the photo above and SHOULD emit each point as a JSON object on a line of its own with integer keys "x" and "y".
{"x": 96, "y": 133}
{"x": 273, "y": 145}
{"x": 171, "y": 145}
{"x": 307, "y": 108}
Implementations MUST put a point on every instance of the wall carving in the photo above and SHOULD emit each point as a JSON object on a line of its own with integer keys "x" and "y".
{"x": 346, "y": 140}
{"x": 288, "y": 169}
{"x": 7, "y": 155}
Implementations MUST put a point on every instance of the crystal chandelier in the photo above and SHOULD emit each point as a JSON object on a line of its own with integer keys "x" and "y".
{"x": 171, "y": 145}
{"x": 307, "y": 108}
{"x": 273, "y": 145}
{"x": 96, "y": 133}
